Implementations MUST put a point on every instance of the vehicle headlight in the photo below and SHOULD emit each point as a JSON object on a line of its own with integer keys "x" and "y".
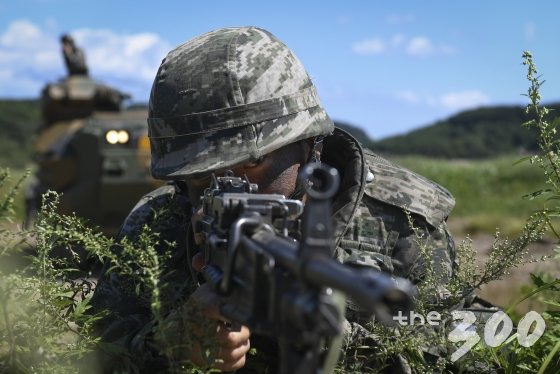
{"x": 117, "y": 136}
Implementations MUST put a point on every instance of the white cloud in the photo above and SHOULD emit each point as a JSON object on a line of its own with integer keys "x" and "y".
{"x": 30, "y": 56}
{"x": 464, "y": 99}
{"x": 369, "y": 47}
{"x": 20, "y": 33}
{"x": 451, "y": 101}
{"x": 133, "y": 57}
{"x": 23, "y": 44}
{"x": 417, "y": 46}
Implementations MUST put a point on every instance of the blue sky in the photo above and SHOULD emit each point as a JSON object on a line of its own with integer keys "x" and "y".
{"x": 387, "y": 67}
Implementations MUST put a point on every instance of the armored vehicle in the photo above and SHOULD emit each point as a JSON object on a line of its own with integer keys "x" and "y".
{"x": 92, "y": 151}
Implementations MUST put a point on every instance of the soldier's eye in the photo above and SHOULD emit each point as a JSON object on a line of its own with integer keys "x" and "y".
{"x": 252, "y": 164}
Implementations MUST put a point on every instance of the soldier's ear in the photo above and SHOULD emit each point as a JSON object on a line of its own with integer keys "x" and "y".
{"x": 305, "y": 148}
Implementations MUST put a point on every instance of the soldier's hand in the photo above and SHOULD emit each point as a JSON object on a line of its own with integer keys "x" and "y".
{"x": 227, "y": 348}
{"x": 198, "y": 236}
{"x": 196, "y": 332}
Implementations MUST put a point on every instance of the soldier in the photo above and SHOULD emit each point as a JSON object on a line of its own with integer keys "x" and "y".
{"x": 239, "y": 99}
{"x": 74, "y": 57}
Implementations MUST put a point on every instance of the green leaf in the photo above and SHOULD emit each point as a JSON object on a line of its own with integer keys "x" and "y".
{"x": 528, "y": 123}
{"x": 81, "y": 307}
{"x": 552, "y": 303}
{"x": 523, "y": 159}
{"x": 537, "y": 280}
{"x": 536, "y": 194}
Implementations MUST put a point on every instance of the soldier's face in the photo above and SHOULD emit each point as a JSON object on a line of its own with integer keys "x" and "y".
{"x": 275, "y": 173}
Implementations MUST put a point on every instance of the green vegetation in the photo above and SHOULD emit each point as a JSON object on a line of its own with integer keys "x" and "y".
{"x": 46, "y": 322}
{"x": 544, "y": 355}
{"x": 18, "y": 208}
{"x": 19, "y": 120}
{"x": 489, "y": 193}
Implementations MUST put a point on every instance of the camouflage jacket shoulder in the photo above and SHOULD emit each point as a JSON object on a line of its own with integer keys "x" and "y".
{"x": 372, "y": 227}
{"x": 165, "y": 200}
{"x": 400, "y": 187}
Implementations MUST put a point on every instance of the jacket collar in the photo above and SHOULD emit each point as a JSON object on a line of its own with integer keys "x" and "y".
{"x": 343, "y": 152}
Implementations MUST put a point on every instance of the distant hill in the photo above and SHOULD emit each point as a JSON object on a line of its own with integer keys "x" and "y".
{"x": 356, "y": 132}
{"x": 18, "y": 121}
{"x": 480, "y": 133}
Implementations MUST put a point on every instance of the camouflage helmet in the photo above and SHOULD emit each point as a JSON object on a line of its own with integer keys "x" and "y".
{"x": 228, "y": 97}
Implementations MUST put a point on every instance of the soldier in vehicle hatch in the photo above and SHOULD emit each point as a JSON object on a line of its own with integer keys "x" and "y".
{"x": 97, "y": 179}
{"x": 239, "y": 99}
{"x": 74, "y": 57}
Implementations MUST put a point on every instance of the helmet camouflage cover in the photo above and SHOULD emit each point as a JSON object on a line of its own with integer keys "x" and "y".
{"x": 227, "y": 97}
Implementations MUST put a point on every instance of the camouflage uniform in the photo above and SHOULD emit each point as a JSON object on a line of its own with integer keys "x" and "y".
{"x": 371, "y": 229}
{"x": 241, "y": 94}
{"x": 75, "y": 59}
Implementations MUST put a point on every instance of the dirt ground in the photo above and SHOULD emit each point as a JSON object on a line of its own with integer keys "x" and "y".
{"x": 507, "y": 290}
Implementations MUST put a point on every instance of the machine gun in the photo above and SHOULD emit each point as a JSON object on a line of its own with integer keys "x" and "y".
{"x": 275, "y": 270}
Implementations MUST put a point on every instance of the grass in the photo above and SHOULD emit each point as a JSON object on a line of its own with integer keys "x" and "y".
{"x": 488, "y": 193}
{"x": 19, "y": 205}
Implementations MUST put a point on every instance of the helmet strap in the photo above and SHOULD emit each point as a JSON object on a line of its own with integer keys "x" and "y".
{"x": 317, "y": 149}
{"x": 314, "y": 157}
